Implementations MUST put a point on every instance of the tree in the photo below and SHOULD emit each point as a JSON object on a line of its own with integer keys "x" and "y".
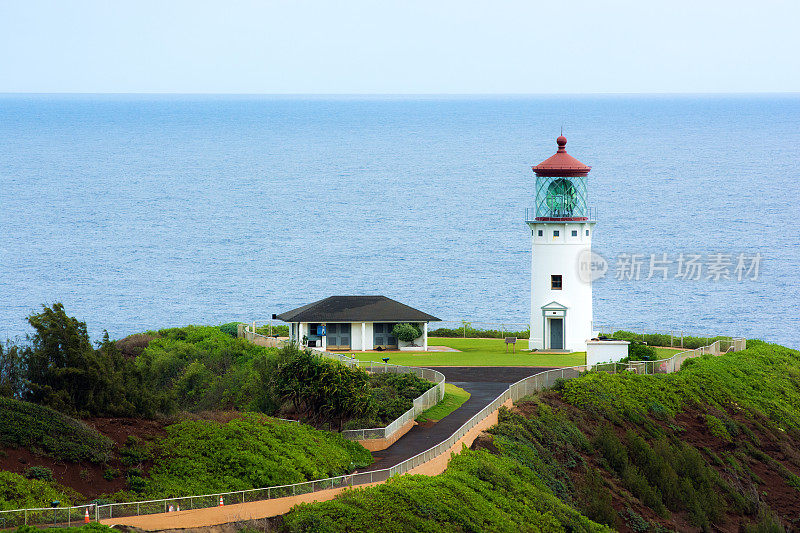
{"x": 316, "y": 388}
{"x": 406, "y": 332}
{"x": 13, "y": 362}
{"x": 64, "y": 371}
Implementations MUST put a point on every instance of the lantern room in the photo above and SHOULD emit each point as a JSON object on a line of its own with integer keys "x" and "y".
{"x": 561, "y": 192}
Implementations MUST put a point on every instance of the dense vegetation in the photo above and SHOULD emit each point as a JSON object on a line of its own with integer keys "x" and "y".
{"x": 714, "y": 446}
{"x": 478, "y": 492}
{"x": 662, "y": 339}
{"x": 194, "y": 369}
{"x": 202, "y": 456}
{"x": 167, "y": 374}
{"x": 50, "y": 433}
{"x": 475, "y": 333}
{"x": 17, "y": 491}
{"x": 195, "y": 456}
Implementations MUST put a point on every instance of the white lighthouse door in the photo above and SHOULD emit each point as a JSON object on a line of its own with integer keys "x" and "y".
{"x": 556, "y": 333}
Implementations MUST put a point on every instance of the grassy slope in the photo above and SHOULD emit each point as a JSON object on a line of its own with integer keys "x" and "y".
{"x": 200, "y": 457}
{"x": 54, "y": 434}
{"x": 478, "y": 492}
{"x": 476, "y": 352}
{"x": 195, "y": 457}
{"x": 714, "y": 446}
{"x": 454, "y": 397}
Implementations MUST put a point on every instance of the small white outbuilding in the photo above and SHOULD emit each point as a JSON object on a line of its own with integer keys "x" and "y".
{"x": 605, "y": 351}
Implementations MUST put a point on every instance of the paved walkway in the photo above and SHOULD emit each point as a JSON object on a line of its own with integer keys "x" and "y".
{"x": 484, "y": 383}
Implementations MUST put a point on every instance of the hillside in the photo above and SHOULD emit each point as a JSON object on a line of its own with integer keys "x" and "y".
{"x": 45, "y": 455}
{"x": 713, "y": 447}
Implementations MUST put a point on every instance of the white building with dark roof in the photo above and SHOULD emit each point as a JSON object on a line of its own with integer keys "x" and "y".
{"x": 355, "y": 323}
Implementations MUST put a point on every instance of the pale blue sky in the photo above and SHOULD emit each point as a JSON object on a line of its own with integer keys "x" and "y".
{"x": 410, "y": 46}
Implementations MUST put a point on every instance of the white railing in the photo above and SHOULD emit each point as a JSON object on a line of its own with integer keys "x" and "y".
{"x": 515, "y": 392}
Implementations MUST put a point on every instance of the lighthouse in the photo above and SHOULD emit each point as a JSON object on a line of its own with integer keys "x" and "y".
{"x": 561, "y": 226}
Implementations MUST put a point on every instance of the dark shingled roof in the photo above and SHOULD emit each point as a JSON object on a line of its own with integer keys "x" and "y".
{"x": 356, "y": 309}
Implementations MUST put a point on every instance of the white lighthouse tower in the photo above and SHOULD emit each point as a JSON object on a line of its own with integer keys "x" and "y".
{"x": 561, "y": 233}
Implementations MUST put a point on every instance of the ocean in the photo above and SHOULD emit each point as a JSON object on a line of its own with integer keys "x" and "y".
{"x": 141, "y": 212}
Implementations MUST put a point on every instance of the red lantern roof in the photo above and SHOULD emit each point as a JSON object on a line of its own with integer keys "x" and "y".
{"x": 561, "y": 164}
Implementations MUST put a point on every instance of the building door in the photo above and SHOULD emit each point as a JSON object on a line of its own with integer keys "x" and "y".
{"x": 556, "y": 333}
{"x": 338, "y": 336}
{"x": 382, "y": 335}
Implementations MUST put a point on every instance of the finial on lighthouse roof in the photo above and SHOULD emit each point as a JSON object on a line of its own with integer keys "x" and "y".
{"x": 561, "y": 164}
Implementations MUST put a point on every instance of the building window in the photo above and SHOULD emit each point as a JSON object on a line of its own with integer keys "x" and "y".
{"x": 587, "y": 232}
{"x": 541, "y": 232}
{"x": 574, "y": 233}
{"x": 555, "y": 233}
{"x": 555, "y": 282}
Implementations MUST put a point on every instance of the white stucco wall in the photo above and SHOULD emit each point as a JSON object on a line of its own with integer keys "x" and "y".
{"x": 605, "y": 351}
{"x": 355, "y": 336}
{"x": 560, "y": 255}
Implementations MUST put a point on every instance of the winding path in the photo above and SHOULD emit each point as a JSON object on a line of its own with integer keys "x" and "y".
{"x": 484, "y": 383}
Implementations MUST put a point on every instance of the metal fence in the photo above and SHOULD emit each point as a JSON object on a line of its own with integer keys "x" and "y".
{"x": 670, "y": 336}
{"x": 47, "y": 516}
{"x": 247, "y": 332}
{"x": 516, "y": 391}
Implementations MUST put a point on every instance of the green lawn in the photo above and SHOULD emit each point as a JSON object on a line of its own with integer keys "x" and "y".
{"x": 453, "y": 398}
{"x": 666, "y": 353}
{"x": 476, "y": 352}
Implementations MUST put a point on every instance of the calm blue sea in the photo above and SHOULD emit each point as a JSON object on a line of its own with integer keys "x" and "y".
{"x": 140, "y": 212}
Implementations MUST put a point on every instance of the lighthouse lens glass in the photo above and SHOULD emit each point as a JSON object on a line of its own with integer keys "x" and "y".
{"x": 561, "y": 198}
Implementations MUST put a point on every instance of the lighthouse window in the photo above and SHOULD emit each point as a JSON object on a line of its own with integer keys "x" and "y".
{"x": 555, "y": 282}
{"x": 587, "y": 232}
{"x": 541, "y": 232}
{"x": 555, "y": 233}
{"x": 574, "y": 233}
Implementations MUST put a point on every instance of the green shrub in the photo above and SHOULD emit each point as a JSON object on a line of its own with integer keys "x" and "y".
{"x": 39, "y": 472}
{"x": 717, "y": 428}
{"x": 474, "y": 333}
{"x": 135, "y": 451}
{"x": 198, "y": 457}
{"x": 17, "y": 492}
{"x": 197, "y": 368}
{"x": 110, "y": 474}
{"x": 137, "y": 484}
{"x": 27, "y": 425}
{"x": 406, "y": 332}
{"x": 638, "y": 351}
{"x": 661, "y": 339}
{"x": 231, "y": 328}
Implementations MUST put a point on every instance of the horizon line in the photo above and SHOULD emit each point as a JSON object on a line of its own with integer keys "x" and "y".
{"x": 398, "y": 94}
